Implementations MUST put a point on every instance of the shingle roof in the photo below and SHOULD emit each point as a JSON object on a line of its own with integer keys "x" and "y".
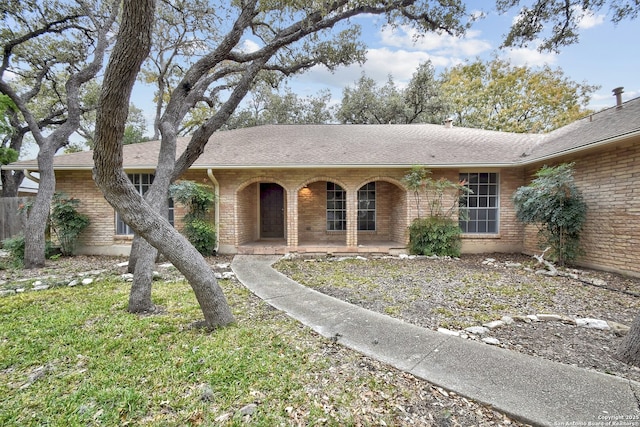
{"x": 362, "y": 145}
{"x": 300, "y": 146}
{"x": 596, "y": 129}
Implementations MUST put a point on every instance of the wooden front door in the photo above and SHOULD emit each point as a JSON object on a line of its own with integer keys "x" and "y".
{"x": 271, "y": 211}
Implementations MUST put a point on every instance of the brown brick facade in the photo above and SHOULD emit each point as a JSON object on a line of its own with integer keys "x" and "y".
{"x": 305, "y": 211}
{"x": 608, "y": 180}
{"x": 606, "y": 177}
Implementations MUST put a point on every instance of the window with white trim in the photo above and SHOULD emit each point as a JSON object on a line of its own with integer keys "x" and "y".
{"x": 367, "y": 207}
{"x": 336, "y": 207}
{"x": 142, "y": 182}
{"x": 479, "y": 209}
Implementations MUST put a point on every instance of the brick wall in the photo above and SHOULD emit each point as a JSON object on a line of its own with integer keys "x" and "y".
{"x": 80, "y": 185}
{"x": 610, "y": 183}
{"x": 305, "y": 207}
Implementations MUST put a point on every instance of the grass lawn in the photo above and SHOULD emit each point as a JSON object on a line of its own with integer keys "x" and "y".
{"x": 74, "y": 356}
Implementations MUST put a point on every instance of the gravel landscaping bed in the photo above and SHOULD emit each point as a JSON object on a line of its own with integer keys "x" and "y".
{"x": 472, "y": 291}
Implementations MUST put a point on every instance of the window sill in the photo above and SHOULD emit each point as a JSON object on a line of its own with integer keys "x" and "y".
{"x": 123, "y": 237}
{"x": 480, "y": 236}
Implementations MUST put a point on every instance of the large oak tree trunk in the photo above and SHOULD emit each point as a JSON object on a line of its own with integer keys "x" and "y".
{"x": 140, "y": 295}
{"x": 143, "y": 256}
{"x": 11, "y": 181}
{"x": 629, "y": 350}
{"x": 133, "y": 255}
{"x": 34, "y": 236}
{"x": 131, "y": 48}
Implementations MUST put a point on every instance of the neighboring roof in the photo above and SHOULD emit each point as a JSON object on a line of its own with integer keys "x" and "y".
{"x": 315, "y": 146}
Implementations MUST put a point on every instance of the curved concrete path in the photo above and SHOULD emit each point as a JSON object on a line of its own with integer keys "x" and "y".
{"x": 530, "y": 389}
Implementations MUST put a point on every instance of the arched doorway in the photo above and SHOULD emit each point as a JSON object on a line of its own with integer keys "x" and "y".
{"x": 272, "y": 216}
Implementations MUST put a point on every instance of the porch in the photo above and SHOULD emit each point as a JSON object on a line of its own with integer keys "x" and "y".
{"x": 279, "y": 247}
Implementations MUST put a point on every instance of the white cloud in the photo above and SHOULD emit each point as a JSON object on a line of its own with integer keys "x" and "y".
{"x": 400, "y": 64}
{"x": 529, "y": 57}
{"x": 587, "y": 19}
{"x": 436, "y": 44}
{"x": 248, "y": 46}
{"x": 9, "y": 76}
{"x": 397, "y": 53}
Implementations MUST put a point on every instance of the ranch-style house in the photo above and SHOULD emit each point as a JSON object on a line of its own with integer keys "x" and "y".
{"x": 339, "y": 189}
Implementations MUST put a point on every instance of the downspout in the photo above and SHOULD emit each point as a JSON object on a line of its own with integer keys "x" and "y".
{"x": 216, "y": 204}
{"x": 28, "y": 174}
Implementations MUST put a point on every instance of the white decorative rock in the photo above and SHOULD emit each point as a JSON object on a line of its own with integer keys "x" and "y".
{"x": 477, "y": 330}
{"x": 73, "y": 283}
{"x": 593, "y": 324}
{"x": 87, "y": 281}
{"x": 494, "y": 324}
{"x": 549, "y": 317}
{"x": 618, "y": 328}
{"x": 508, "y": 320}
{"x": 491, "y": 341}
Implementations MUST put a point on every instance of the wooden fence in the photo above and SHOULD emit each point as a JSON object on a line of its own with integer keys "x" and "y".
{"x": 11, "y": 219}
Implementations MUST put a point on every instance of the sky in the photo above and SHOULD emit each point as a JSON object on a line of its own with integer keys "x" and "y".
{"x": 607, "y": 55}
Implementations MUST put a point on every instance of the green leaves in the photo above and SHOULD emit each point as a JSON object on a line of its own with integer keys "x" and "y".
{"x": 438, "y": 234}
{"x": 435, "y": 236}
{"x": 198, "y": 198}
{"x": 554, "y": 203}
{"x": 67, "y": 222}
{"x": 420, "y": 102}
{"x": 498, "y": 96}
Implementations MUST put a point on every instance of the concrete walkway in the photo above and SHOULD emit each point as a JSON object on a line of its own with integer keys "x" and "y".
{"x": 529, "y": 389}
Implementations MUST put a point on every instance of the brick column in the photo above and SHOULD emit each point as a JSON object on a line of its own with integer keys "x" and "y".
{"x": 292, "y": 220}
{"x": 352, "y": 219}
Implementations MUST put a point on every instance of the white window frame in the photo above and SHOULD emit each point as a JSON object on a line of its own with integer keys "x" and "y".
{"x": 480, "y": 209}
{"x": 336, "y": 208}
{"x": 142, "y": 182}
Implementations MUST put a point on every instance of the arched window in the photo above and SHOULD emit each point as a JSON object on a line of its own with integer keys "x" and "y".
{"x": 367, "y": 207}
{"x": 336, "y": 207}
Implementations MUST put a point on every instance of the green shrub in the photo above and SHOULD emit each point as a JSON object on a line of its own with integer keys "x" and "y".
{"x": 553, "y": 202}
{"x": 198, "y": 199}
{"x": 66, "y": 222}
{"x": 15, "y": 247}
{"x": 435, "y": 236}
{"x": 439, "y": 233}
{"x": 202, "y": 236}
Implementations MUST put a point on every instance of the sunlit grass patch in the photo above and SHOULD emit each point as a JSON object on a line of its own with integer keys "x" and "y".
{"x": 76, "y": 357}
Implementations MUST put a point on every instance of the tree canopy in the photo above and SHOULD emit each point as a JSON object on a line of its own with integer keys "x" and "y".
{"x": 496, "y": 95}
{"x": 265, "y": 105}
{"x": 419, "y": 102}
